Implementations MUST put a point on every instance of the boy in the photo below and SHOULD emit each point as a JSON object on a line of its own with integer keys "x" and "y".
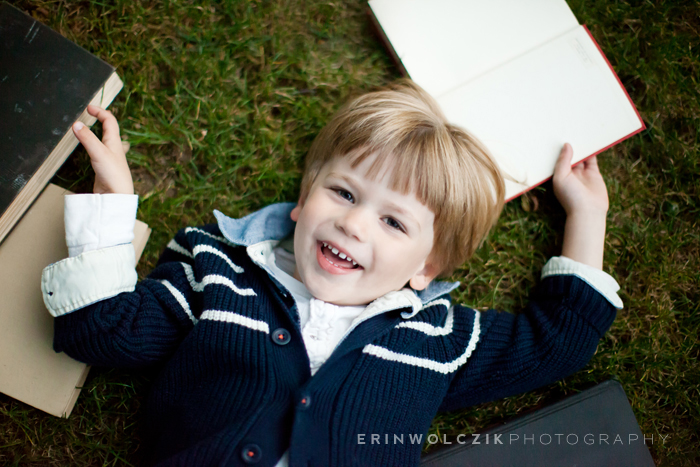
{"x": 281, "y": 352}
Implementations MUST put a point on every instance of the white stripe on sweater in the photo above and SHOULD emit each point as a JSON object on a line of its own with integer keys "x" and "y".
{"x": 444, "y": 368}
{"x": 429, "y": 329}
{"x": 231, "y": 317}
{"x": 215, "y": 237}
{"x": 189, "y": 272}
{"x": 173, "y": 245}
{"x": 180, "y": 299}
{"x": 210, "y": 249}
{"x": 221, "y": 280}
{"x": 212, "y": 279}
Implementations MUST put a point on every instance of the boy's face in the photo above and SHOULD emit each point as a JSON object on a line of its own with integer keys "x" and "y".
{"x": 388, "y": 235}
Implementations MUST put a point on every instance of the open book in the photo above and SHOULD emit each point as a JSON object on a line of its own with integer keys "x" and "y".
{"x": 523, "y": 77}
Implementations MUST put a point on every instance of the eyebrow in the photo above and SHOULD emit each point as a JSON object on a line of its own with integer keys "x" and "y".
{"x": 391, "y": 206}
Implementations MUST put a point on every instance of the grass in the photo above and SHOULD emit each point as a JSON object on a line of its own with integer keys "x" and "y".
{"x": 220, "y": 103}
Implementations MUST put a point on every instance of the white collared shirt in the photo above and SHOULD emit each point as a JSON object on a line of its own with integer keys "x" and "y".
{"x": 322, "y": 324}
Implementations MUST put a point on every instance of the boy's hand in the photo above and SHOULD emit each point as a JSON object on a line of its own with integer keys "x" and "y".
{"x": 579, "y": 188}
{"x": 107, "y": 157}
{"x": 581, "y": 191}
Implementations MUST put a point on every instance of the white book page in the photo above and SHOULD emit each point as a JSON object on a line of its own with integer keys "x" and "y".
{"x": 525, "y": 110}
{"x": 445, "y": 43}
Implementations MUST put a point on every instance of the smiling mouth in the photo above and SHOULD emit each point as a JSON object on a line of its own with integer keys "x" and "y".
{"x": 338, "y": 258}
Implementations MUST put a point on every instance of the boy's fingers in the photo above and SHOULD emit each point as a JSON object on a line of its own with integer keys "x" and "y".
{"x": 564, "y": 162}
{"x": 110, "y": 132}
{"x": 592, "y": 163}
{"x": 587, "y": 167}
{"x": 94, "y": 110}
{"x": 110, "y": 128}
{"x": 87, "y": 138}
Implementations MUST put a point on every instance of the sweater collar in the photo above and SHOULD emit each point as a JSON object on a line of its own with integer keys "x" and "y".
{"x": 273, "y": 223}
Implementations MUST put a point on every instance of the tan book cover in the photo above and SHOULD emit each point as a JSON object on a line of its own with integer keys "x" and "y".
{"x": 30, "y": 370}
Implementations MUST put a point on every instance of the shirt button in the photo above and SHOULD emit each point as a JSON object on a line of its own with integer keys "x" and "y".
{"x": 281, "y": 336}
{"x": 251, "y": 454}
{"x": 305, "y": 401}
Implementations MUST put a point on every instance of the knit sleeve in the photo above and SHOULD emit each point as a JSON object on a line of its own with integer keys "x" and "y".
{"x": 556, "y": 335}
{"x": 135, "y": 328}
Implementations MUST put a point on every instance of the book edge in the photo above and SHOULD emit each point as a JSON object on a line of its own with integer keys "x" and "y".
{"x": 71, "y": 401}
{"x": 615, "y": 75}
{"x": 381, "y": 35}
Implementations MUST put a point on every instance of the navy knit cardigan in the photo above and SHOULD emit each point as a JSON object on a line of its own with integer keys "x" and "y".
{"x": 235, "y": 387}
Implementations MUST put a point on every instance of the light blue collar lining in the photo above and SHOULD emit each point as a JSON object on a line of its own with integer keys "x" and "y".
{"x": 273, "y": 223}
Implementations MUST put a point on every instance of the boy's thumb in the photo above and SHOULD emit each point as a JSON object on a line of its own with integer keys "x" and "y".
{"x": 87, "y": 138}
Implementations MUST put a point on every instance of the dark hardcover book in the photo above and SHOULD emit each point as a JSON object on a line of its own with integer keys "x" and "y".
{"x": 46, "y": 84}
{"x": 595, "y": 428}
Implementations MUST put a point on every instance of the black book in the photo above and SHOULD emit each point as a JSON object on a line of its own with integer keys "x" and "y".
{"x": 46, "y": 84}
{"x": 595, "y": 428}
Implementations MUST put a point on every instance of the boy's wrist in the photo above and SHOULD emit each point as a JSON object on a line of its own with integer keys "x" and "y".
{"x": 587, "y": 214}
{"x": 586, "y": 207}
{"x": 584, "y": 237}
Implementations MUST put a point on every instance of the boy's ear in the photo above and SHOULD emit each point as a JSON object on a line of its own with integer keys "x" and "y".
{"x": 295, "y": 212}
{"x": 423, "y": 277}
{"x": 297, "y": 209}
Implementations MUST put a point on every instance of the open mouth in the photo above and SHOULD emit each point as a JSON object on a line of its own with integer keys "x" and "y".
{"x": 338, "y": 258}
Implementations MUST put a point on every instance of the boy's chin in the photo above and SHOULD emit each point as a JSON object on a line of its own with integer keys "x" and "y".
{"x": 337, "y": 300}
{"x": 343, "y": 297}
{"x": 346, "y": 298}
{"x": 339, "y": 295}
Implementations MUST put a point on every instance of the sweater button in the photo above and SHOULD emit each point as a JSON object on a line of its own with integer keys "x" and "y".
{"x": 305, "y": 401}
{"x": 251, "y": 454}
{"x": 281, "y": 336}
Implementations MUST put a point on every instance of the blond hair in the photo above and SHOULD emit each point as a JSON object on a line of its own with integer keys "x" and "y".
{"x": 448, "y": 169}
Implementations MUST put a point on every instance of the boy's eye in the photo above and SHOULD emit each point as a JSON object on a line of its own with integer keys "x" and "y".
{"x": 344, "y": 194}
{"x": 393, "y": 224}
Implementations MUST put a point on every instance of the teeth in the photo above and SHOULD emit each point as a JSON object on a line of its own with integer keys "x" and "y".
{"x": 337, "y": 252}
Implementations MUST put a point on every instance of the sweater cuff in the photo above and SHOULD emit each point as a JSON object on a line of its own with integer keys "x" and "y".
{"x": 77, "y": 282}
{"x": 95, "y": 221}
{"x": 602, "y": 282}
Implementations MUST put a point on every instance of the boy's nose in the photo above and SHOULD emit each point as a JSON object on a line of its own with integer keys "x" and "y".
{"x": 354, "y": 223}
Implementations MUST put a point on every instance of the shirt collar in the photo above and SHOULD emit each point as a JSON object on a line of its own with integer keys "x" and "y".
{"x": 273, "y": 223}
